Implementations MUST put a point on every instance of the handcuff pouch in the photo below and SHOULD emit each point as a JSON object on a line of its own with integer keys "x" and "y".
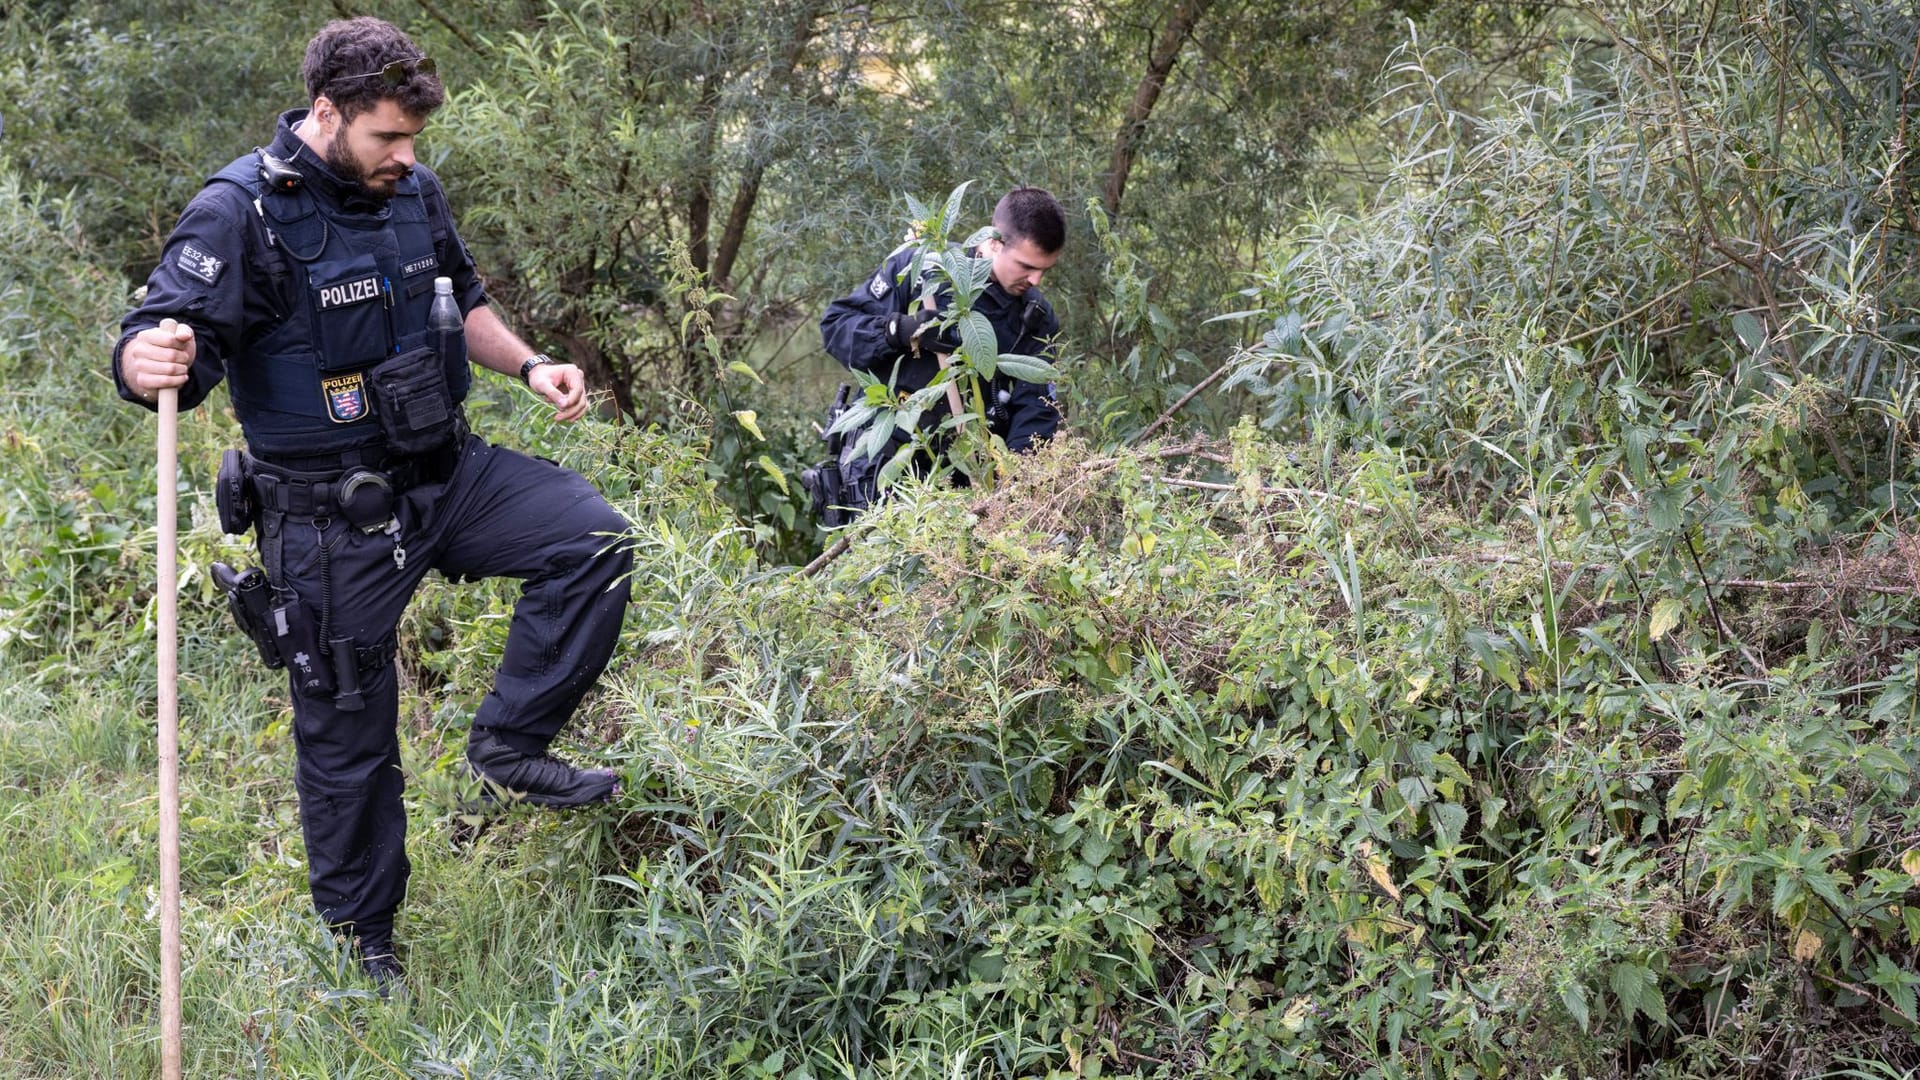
{"x": 365, "y": 498}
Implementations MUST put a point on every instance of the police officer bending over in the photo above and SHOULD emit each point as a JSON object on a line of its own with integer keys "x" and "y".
{"x": 877, "y": 329}
{"x": 306, "y": 274}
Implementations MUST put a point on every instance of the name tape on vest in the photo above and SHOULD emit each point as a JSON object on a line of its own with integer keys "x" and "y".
{"x": 431, "y": 262}
{"x": 349, "y": 292}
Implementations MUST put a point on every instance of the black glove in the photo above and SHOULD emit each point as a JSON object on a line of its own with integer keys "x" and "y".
{"x": 903, "y": 326}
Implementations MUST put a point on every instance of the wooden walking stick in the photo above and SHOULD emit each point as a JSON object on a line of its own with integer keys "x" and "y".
{"x": 953, "y": 388}
{"x": 169, "y": 742}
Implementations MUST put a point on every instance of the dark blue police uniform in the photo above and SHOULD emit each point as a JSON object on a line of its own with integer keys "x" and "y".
{"x": 296, "y": 298}
{"x": 854, "y": 330}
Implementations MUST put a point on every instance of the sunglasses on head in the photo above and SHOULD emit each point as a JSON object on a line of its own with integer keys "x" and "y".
{"x": 396, "y": 73}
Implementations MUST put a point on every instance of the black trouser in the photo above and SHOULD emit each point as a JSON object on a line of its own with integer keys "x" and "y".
{"x": 501, "y": 514}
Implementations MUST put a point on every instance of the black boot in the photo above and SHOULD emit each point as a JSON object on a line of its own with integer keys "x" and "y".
{"x": 380, "y": 963}
{"x": 509, "y": 776}
{"x": 386, "y": 972}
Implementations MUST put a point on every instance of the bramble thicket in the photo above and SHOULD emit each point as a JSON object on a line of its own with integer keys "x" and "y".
{"x": 1502, "y": 665}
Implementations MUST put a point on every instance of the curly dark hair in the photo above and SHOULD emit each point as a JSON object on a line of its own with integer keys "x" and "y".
{"x": 360, "y": 47}
{"x": 1031, "y": 213}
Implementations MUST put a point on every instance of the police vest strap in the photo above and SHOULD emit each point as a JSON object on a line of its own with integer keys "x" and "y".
{"x": 294, "y": 226}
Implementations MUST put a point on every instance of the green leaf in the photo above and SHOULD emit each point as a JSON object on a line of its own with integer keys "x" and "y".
{"x": 1638, "y": 990}
{"x": 981, "y": 235}
{"x": 1664, "y": 509}
{"x": 1449, "y": 821}
{"x": 951, "y": 215}
{"x": 1414, "y": 790}
{"x": 1095, "y": 849}
{"x": 1751, "y": 333}
{"x": 1666, "y": 615}
{"x": 1714, "y": 776}
{"x": 740, "y": 367}
{"x": 1574, "y": 997}
{"x": 853, "y": 419}
{"x": 1028, "y": 368}
{"x": 970, "y": 279}
{"x": 895, "y": 465}
{"x": 918, "y": 210}
{"x": 875, "y": 440}
{"x": 979, "y": 346}
{"x": 751, "y": 421}
{"x": 767, "y": 466}
{"x": 1827, "y": 887}
{"x": 1889, "y": 702}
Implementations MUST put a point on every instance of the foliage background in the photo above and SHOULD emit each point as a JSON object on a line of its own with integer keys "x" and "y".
{"x": 1505, "y": 667}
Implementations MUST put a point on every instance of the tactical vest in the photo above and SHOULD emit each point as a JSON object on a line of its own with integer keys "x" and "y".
{"x": 358, "y": 288}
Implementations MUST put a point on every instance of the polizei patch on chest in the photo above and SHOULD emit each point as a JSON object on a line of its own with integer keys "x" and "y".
{"x": 346, "y": 397}
{"x": 349, "y": 292}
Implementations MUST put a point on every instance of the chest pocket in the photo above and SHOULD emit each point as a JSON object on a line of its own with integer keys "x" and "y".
{"x": 351, "y": 303}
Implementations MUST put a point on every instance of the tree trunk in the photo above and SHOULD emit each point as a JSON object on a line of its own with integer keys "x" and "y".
{"x": 700, "y": 200}
{"x": 744, "y": 197}
{"x": 1166, "y": 49}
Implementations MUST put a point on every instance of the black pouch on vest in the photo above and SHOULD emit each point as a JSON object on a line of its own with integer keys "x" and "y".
{"x": 412, "y": 402}
{"x": 352, "y": 327}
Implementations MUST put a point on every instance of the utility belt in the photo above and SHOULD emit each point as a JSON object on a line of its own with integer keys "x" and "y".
{"x": 360, "y": 487}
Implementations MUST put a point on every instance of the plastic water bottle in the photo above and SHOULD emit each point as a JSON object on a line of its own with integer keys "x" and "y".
{"x": 449, "y": 336}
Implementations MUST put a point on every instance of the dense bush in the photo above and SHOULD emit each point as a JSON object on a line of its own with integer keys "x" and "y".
{"x": 1528, "y": 691}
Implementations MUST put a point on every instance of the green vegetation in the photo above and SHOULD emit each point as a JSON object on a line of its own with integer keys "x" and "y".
{"x": 1525, "y": 686}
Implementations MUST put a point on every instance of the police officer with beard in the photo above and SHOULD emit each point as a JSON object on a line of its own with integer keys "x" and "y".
{"x": 879, "y": 328}
{"x": 304, "y": 274}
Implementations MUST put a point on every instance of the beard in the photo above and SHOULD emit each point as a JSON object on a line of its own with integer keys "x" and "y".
{"x": 375, "y": 185}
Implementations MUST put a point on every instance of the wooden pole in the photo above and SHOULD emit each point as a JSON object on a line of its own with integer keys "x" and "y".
{"x": 953, "y": 388}
{"x": 169, "y": 739}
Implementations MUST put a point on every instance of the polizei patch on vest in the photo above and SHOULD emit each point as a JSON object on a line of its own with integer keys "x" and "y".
{"x": 431, "y": 262}
{"x": 878, "y": 286}
{"x": 346, "y": 397}
{"x": 200, "y": 264}
{"x": 349, "y": 292}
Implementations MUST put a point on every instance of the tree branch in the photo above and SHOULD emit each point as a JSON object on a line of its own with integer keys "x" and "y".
{"x": 1184, "y": 398}
{"x": 1166, "y": 50}
{"x": 433, "y": 10}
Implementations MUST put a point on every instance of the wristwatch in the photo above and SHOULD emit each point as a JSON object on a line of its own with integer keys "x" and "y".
{"x": 531, "y": 362}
